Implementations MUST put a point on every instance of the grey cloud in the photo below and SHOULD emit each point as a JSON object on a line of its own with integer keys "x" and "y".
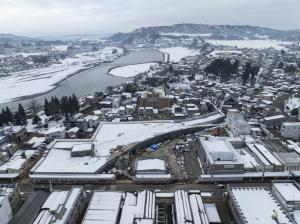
{"x": 39, "y": 17}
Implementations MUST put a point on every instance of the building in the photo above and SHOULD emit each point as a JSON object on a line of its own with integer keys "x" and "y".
{"x": 104, "y": 207}
{"x": 290, "y": 130}
{"x": 287, "y": 193}
{"x": 18, "y": 133}
{"x": 148, "y": 207}
{"x": 27, "y": 212}
{"x": 274, "y": 121}
{"x": 256, "y": 205}
{"x": 72, "y": 133}
{"x": 12, "y": 193}
{"x": 154, "y": 99}
{"x": 268, "y": 159}
{"x": 152, "y": 170}
{"x": 55, "y": 133}
{"x": 84, "y": 149}
{"x": 5, "y": 210}
{"x": 290, "y": 160}
{"x": 62, "y": 207}
{"x": 236, "y": 123}
{"x": 219, "y": 156}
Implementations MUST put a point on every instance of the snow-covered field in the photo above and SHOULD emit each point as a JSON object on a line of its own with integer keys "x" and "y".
{"x": 40, "y": 80}
{"x": 131, "y": 70}
{"x": 256, "y": 44}
{"x": 177, "y": 53}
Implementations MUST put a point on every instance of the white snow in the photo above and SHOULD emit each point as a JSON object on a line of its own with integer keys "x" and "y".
{"x": 111, "y": 135}
{"x": 256, "y": 44}
{"x": 60, "y": 161}
{"x": 288, "y": 191}
{"x": 20, "y": 84}
{"x": 106, "y": 139}
{"x": 131, "y": 70}
{"x": 103, "y": 208}
{"x": 257, "y": 205}
{"x": 177, "y": 53}
{"x": 151, "y": 164}
{"x": 292, "y": 103}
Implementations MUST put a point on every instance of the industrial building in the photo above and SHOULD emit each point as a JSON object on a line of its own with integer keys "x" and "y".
{"x": 269, "y": 161}
{"x": 148, "y": 207}
{"x": 151, "y": 170}
{"x": 288, "y": 194}
{"x": 62, "y": 207}
{"x": 256, "y": 205}
{"x": 290, "y": 160}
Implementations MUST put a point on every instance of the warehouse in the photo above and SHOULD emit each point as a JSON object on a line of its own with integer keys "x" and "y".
{"x": 256, "y": 205}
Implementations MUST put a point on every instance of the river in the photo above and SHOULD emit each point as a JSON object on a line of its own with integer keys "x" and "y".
{"x": 92, "y": 80}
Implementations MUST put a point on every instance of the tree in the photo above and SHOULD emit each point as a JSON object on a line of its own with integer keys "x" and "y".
{"x": 64, "y": 105}
{"x": 47, "y": 108}
{"x": 246, "y": 73}
{"x": 36, "y": 119}
{"x": 18, "y": 119}
{"x": 1, "y": 119}
{"x": 8, "y": 115}
{"x": 33, "y": 106}
{"x": 294, "y": 112}
{"x": 254, "y": 73}
{"x": 22, "y": 114}
{"x": 75, "y": 103}
{"x": 280, "y": 65}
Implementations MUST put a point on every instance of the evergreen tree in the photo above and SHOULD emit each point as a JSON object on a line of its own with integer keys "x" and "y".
{"x": 22, "y": 114}
{"x": 70, "y": 106}
{"x": 8, "y": 115}
{"x": 47, "y": 108}
{"x": 246, "y": 73}
{"x": 64, "y": 105}
{"x": 1, "y": 119}
{"x": 18, "y": 118}
{"x": 75, "y": 103}
{"x": 294, "y": 112}
{"x": 36, "y": 119}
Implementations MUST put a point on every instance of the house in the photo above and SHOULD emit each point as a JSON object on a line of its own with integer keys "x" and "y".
{"x": 72, "y": 133}
{"x": 55, "y": 133}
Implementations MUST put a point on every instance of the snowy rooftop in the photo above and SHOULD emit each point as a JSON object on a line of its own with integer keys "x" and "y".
{"x": 218, "y": 148}
{"x": 257, "y": 205}
{"x": 103, "y": 208}
{"x": 151, "y": 164}
{"x": 105, "y": 140}
{"x": 288, "y": 191}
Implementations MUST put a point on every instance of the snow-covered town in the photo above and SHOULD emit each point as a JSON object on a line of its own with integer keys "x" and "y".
{"x": 176, "y": 124}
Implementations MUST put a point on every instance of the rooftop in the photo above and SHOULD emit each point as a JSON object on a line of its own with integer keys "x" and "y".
{"x": 257, "y": 205}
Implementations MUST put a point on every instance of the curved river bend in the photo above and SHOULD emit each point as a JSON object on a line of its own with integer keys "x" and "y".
{"x": 94, "y": 79}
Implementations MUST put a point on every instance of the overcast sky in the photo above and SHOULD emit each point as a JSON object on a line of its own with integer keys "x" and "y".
{"x": 57, "y": 17}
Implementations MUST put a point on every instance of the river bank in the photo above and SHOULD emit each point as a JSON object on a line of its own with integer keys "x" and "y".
{"x": 91, "y": 80}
